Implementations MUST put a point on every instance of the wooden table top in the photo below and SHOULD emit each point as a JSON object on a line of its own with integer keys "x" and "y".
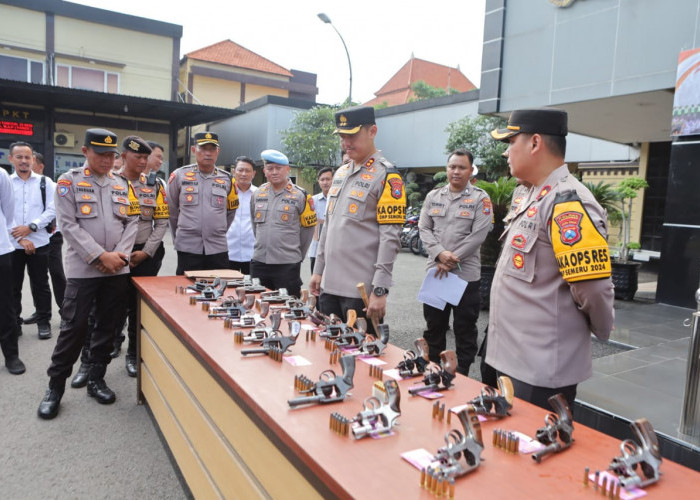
{"x": 373, "y": 468}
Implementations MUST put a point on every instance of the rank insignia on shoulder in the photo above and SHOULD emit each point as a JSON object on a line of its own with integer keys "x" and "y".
{"x": 170, "y": 179}
{"x": 544, "y": 191}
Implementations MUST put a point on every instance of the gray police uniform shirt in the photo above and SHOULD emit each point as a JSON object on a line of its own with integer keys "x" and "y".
{"x": 354, "y": 247}
{"x": 94, "y": 214}
{"x": 199, "y": 209}
{"x": 459, "y": 223}
{"x": 153, "y": 220}
{"x": 540, "y": 324}
{"x": 282, "y": 224}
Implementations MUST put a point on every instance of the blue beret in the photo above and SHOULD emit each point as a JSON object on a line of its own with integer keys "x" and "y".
{"x": 274, "y": 156}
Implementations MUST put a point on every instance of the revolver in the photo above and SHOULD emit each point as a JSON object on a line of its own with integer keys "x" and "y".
{"x": 492, "y": 404}
{"x": 330, "y": 387}
{"x": 373, "y": 346}
{"x": 275, "y": 344}
{"x": 259, "y": 331}
{"x": 438, "y": 378}
{"x": 647, "y": 456}
{"x": 414, "y": 360}
{"x": 559, "y": 427}
{"x": 377, "y": 417}
{"x": 457, "y": 445}
{"x": 210, "y": 292}
{"x": 335, "y": 326}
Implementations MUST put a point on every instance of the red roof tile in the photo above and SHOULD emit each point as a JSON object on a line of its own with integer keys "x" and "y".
{"x": 231, "y": 54}
{"x": 398, "y": 89}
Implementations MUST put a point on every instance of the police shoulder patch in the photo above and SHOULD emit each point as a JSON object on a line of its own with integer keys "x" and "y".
{"x": 580, "y": 249}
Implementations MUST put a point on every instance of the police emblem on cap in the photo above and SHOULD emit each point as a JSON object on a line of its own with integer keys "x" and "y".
{"x": 134, "y": 145}
{"x": 342, "y": 121}
{"x": 108, "y": 140}
{"x": 207, "y": 135}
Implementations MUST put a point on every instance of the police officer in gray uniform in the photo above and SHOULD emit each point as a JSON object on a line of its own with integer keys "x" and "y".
{"x": 203, "y": 203}
{"x": 148, "y": 249}
{"x": 365, "y": 213}
{"x": 454, "y": 222}
{"x": 283, "y": 222}
{"x": 99, "y": 225}
{"x": 552, "y": 286}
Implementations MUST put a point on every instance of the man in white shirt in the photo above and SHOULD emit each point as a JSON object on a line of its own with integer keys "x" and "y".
{"x": 324, "y": 178}
{"x": 34, "y": 211}
{"x": 8, "y": 316}
{"x": 240, "y": 235}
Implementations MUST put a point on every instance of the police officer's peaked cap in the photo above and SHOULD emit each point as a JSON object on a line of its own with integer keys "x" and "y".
{"x": 350, "y": 120}
{"x": 135, "y": 144}
{"x": 101, "y": 140}
{"x": 533, "y": 121}
{"x": 274, "y": 156}
{"x": 203, "y": 138}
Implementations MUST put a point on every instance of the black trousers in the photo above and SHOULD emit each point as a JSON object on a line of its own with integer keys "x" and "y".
{"x": 158, "y": 258}
{"x": 37, "y": 266}
{"x": 539, "y": 396}
{"x": 149, "y": 267}
{"x": 108, "y": 295}
{"x": 8, "y": 316}
{"x": 336, "y": 304}
{"x": 464, "y": 315}
{"x": 58, "y": 276}
{"x": 275, "y": 276}
{"x": 200, "y": 262}
{"x": 243, "y": 267}
{"x": 312, "y": 262}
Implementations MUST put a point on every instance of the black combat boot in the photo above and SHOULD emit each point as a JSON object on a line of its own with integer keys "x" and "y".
{"x": 48, "y": 408}
{"x": 81, "y": 376}
{"x": 96, "y": 386}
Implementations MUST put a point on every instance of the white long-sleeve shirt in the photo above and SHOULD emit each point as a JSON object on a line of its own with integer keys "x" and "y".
{"x": 7, "y": 210}
{"x": 29, "y": 207}
{"x": 240, "y": 237}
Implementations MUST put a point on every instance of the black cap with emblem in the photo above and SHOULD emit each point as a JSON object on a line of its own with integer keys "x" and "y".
{"x": 202, "y": 138}
{"x": 534, "y": 121}
{"x": 135, "y": 144}
{"x": 101, "y": 140}
{"x": 350, "y": 120}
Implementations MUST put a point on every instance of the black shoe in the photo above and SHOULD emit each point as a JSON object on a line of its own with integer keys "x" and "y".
{"x": 115, "y": 351}
{"x": 48, "y": 408}
{"x": 31, "y": 319}
{"x": 131, "y": 369}
{"x": 44, "y": 331}
{"x": 81, "y": 376}
{"x": 15, "y": 366}
{"x": 98, "y": 389}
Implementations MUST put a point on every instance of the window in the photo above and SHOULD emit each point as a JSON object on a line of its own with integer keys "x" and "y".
{"x": 21, "y": 69}
{"x": 77, "y": 77}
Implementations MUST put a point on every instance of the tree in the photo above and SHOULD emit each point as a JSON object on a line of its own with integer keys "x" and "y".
{"x": 422, "y": 90}
{"x": 309, "y": 141}
{"x": 473, "y": 134}
{"x": 627, "y": 191}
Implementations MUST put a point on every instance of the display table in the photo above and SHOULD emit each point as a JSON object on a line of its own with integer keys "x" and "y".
{"x": 226, "y": 420}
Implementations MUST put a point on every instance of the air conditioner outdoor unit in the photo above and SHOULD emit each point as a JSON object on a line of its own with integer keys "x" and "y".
{"x": 62, "y": 139}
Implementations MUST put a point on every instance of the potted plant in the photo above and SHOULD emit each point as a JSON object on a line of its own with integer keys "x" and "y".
{"x": 501, "y": 192}
{"x": 624, "y": 272}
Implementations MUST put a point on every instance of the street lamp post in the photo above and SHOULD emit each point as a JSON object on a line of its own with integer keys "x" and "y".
{"x": 323, "y": 17}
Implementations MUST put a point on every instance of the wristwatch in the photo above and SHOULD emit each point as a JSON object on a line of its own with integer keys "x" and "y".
{"x": 380, "y": 291}
{"x": 33, "y": 227}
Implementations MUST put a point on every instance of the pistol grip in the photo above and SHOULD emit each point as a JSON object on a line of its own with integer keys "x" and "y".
{"x": 505, "y": 386}
{"x": 449, "y": 361}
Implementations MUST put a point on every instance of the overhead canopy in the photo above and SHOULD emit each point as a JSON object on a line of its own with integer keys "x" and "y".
{"x": 179, "y": 114}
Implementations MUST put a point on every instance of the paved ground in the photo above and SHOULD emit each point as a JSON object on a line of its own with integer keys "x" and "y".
{"x": 93, "y": 451}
